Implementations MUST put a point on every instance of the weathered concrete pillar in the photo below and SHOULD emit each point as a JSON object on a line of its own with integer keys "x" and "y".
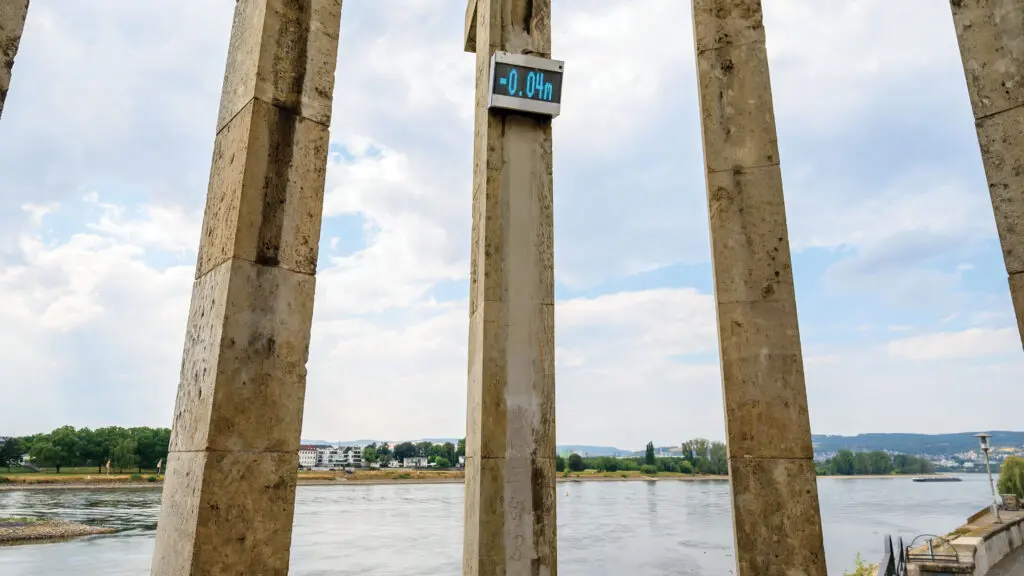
{"x": 229, "y": 495}
{"x": 12, "y": 22}
{"x": 991, "y": 38}
{"x": 510, "y": 441}
{"x": 775, "y": 497}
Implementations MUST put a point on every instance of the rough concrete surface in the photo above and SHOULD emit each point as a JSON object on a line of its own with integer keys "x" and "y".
{"x": 229, "y": 493}
{"x": 990, "y": 34}
{"x": 12, "y": 24}
{"x": 510, "y": 451}
{"x": 775, "y": 503}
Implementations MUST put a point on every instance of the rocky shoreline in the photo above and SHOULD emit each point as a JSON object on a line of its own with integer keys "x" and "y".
{"x": 27, "y": 530}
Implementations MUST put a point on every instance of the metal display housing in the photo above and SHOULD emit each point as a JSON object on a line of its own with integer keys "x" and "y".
{"x": 551, "y": 109}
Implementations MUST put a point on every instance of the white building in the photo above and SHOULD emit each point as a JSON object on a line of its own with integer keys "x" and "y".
{"x": 336, "y": 457}
{"x": 415, "y": 462}
{"x": 353, "y": 456}
{"x": 307, "y": 456}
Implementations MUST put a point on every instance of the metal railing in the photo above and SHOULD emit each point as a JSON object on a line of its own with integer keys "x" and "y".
{"x": 941, "y": 557}
{"x": 894, "y": 563}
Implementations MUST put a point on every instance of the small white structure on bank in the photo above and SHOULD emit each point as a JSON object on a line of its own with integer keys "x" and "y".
{"x": 415, "y": 462}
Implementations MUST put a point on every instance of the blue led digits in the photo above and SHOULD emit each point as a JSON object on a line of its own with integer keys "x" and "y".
{"x": 536, "y": 87}
{"x": 525, "y": 84}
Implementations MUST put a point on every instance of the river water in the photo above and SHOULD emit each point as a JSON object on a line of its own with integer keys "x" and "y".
{"x": 604, "y": 528}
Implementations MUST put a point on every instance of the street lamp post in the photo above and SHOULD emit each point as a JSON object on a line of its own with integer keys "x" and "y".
{"x": 983, "y": 438}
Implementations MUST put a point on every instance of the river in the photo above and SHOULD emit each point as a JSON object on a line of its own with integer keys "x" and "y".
{"x": 604, "y": 528}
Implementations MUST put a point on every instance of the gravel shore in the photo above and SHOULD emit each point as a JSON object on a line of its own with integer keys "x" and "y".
{"x": 26, "y": 530}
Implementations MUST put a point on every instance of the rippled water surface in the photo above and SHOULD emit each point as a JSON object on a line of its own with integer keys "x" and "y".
{"x": 604, "y": 528}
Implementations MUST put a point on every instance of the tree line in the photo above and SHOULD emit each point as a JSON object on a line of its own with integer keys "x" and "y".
{"x": 697, "y": 456}
{"x": 442, "y": 455}
{"x": 701, "y": 456}
{"x": 125, "y": 448}
{"x": 849, "y": 463}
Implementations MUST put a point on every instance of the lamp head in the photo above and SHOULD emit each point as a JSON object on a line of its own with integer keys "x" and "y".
{"x": 983, "y": 438}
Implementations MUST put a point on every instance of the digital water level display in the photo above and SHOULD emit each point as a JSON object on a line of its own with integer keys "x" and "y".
{"x": 526, "y": 84}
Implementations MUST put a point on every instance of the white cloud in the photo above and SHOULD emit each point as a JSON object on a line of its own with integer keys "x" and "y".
{"x": 411, "y": 225}
{"x": 971, "y": 343}
{"x": 161, "y": 227}
{"x": 832, "y": 61}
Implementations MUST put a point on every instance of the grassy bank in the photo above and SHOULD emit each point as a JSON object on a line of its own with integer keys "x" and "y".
{"x": 87, "y": 478}
{"x": 76, "y": 476}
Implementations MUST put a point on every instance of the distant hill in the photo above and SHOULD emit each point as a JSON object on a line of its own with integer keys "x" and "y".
{"x": 363, "y": 442}
{"x": 934, "y": 444}
{"x": 592, "y": 451}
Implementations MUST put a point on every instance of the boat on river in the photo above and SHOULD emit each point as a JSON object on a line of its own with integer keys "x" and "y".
{"x": 937, "y": 479}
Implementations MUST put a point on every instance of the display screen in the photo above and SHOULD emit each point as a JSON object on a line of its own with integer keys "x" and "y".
{"x": 527, "y": 83}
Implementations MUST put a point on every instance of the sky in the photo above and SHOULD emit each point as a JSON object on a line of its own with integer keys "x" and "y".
{"x": 905, "y": 315}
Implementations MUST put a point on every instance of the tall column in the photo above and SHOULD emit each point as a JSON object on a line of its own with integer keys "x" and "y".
{"x": 991, "y": 38}
{"x": 228, "y": 499}
{"x": 12, "y": 22}
{"x": 510, "y": 440}
{"x": 775, "y": 497}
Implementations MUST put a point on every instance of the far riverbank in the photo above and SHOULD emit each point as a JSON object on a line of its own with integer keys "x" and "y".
{"x": 360, "y": 478}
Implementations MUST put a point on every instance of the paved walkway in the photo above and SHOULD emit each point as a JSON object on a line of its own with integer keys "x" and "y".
{"x": 1012, "y": 565}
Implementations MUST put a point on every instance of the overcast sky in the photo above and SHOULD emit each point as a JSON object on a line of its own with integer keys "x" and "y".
{"x": 905, "y": 315}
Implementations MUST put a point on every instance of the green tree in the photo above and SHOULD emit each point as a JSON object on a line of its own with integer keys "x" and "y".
{"x": 162, "y": 438}
{"x": 449, "y": 452}
{"x": 124, "y": 454}
{"x": 842, "y": 463}
{"x": 861, "y": 463}
{"x": 668, "y": 465}
{"x": 404, "y": 450}
{"x": 370, "y": 454}
{"x": 559, "y": 464}
{"x": 424, "y": 448}
{"x": 1011, "y": 477}
{"x": 89, "y": 447}
{"x": 626, "y": 464}
{"x": 698, "y": 452}
{"x": 881, "y": 462}
{"x": 648, "y": 469}
{"x": 606, "y": 464}
{"x": 685, "y": 467}
{"x": 66, "y": 440}
{"x": 649, "y": 454}
{"x": 10, "y": 452}
{"x": 461, "y": 449}
{"x": 46, "y": 453}
{"x": 145, "y": 447}
{"x": 576, "y": 463}
{"x": 102, "y": 442}
{"x": 718, "y": 459}
{"x": 383, "y": 453}
{"x": 443, "y": 462}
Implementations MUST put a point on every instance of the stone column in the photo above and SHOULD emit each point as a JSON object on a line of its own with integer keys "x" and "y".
{"x": 228, "y": 499}
{"x": 991, "y": 38}
{"x": 12, "y": 22}
{"x": 510, "y": 441}
{"x": 771, "y": 469}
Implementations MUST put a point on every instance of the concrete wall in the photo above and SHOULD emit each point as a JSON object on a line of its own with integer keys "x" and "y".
{"x": 979, "y": 554}
{"x": 997, "y": 546}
